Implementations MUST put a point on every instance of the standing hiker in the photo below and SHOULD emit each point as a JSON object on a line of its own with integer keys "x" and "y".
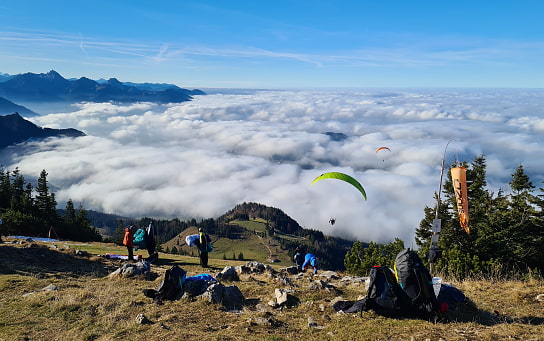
{"x": 128, "y": 241}
{"x": 203, "y": 248}
{"x": 310, "y": 260}
{"x": 151, "y": 241}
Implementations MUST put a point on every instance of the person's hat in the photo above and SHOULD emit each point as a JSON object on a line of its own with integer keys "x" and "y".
{"x": 200, "y": 229}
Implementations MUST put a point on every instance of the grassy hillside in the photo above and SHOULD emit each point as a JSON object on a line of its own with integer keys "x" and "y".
{"x": 253, "y": 246}
{"x": 88, "y": 305}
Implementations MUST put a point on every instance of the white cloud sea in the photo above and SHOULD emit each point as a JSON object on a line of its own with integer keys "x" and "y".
{"x": 201, "y": 158}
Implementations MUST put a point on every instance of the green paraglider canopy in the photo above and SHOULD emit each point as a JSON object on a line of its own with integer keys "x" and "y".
{"x": 343, "y": 177}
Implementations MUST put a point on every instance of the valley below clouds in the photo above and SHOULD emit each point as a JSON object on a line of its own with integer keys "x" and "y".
{"x": 199, "y": 159}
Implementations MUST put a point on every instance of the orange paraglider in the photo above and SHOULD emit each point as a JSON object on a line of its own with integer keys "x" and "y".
{"x": 382, "y": 148}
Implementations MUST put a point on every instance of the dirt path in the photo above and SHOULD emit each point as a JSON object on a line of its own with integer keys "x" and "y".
{"x": 265, "y": 245}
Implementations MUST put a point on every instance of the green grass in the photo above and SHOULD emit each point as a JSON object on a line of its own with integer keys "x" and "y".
{"x": 258, "y": 225}
{"x": 251, "y": 245}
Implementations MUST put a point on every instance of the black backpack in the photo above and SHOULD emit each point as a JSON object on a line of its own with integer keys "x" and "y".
{"x": 170, "y": 288}
{"x": 416, "y": 281}
{"x": 384, "y": 295}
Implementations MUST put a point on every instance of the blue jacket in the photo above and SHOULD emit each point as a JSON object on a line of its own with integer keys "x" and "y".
{"x": 310, "y": 260}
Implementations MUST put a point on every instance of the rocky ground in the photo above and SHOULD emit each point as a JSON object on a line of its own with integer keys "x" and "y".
{"x": 54, "y": 291}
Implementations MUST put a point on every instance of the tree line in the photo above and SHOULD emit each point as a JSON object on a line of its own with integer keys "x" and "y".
{"x": 506, "y": 230}
{"x": 32, "y": 210}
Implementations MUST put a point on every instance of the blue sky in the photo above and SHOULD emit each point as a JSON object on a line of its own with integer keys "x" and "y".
{"x": 279, "y": 44}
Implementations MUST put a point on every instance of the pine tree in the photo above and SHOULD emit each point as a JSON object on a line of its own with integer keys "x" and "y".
{"x": 354, "y": 259}
{"x": 525, "y": 223}
{"x": 5, "y": 189}
{"x": 359, "y": 261}
{"x": 17, "y": 190}
{"x": 45, "y": 201}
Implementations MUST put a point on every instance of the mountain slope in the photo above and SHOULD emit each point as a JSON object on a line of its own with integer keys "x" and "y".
{"x": 16, "y": 129}
{"x": 8, "y": 107}
{"x": 258, "y": 232}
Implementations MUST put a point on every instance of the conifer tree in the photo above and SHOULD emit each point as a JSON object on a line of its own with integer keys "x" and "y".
{"x": 525, "y": 224}
{"x": 5, "y": 189}
{"x": 354, "y": 259}
{"x": 45, "y": 202}
{"x": 359, "y": 261}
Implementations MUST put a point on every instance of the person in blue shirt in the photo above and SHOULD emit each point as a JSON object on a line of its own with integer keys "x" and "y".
{"x": 310, "y": 260}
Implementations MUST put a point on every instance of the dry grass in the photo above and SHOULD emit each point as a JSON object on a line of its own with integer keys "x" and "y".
{"x": 90, "y": 306}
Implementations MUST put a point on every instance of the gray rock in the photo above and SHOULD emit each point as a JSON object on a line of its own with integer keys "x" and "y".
{"x": 242, "y": 269}
{"x": 268, "y": 321}
{"x": 228, "y": 296}
{"x": 50, "y": 287}
{"x": 214, "y": 293}
{"x": 283, "y": 298}
{"x": 256, "y": 267}
{"x": 353, "y": 279}
{"x": 329, "y": 275}
{"x": 129, "y": 270}
{"x": 82, "y": 253}
{"x": 141, "y": 319}
{"x": 280, "y": 296}
{"x": 196, "y": 288}
{"x": 293, "y": 270}
{"x": 228, "y": 274}
{"x": 320, "y": 285}
{"x": 233, "y": 297}
{"x": 273, "y": 304}
{"x": 286, "y": 281}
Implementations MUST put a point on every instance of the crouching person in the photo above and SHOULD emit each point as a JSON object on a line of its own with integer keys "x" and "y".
{"x": 310, "y": 260}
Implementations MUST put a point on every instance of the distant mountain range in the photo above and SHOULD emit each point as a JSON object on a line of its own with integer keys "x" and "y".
{"x": 16, "y": 129}
{"x": 52, "y": 87}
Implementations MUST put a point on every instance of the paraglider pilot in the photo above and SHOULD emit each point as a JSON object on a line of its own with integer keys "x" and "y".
{"x": 202, "y": 245}
{"x": 310, "y": 260}
{"x": 150, "y": 241}
{"x": 128, "y": 241}
{"x": 299, "y": 257}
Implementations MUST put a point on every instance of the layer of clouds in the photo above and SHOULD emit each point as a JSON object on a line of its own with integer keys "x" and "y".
{"x": 201, "y": 158}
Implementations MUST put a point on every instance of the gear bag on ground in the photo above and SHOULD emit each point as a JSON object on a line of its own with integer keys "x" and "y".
{"x": 416, "y": 281}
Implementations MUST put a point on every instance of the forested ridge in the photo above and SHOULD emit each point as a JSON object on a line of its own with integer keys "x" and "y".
{"x": 32, "y": 211}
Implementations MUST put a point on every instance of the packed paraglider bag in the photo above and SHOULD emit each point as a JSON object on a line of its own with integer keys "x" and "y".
{"x": 416, "y": 281}
{"x": 171, "y": 287}
{"x": 384, "y": 296}
{"x": 412, "y": 295}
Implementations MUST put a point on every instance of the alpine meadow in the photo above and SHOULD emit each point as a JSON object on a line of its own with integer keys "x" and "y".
{"x": 287, "y": 170}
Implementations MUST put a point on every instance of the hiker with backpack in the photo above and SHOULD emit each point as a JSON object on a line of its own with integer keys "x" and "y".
{"x": 310, "y": 260}
{"x": 150, "y": 242}
{"x": 300, "y": 253}
{"x": 128, "y": 241}
{"x": 204, "y": 247}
